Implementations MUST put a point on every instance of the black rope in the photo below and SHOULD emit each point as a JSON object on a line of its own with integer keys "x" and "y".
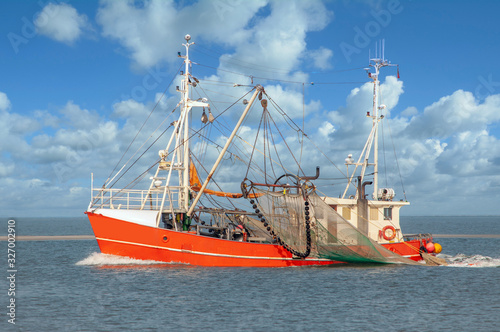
{"x": 278, "y": 238}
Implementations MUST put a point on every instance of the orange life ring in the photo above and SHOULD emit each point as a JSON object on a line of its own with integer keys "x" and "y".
{"x": 391, "y": 236}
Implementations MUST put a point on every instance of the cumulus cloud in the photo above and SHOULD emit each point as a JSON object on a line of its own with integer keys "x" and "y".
{"x": 151, "y": 31}
{"x": 14, "y": 128}
{"x": 61, "y": 22}
{"x": 129, "y": 108}
{"x": 321, "y": 57}
{"x": 6, "y": 169}
{"x": 410, "y": 111}
{"x": 455, "y": 113}
{"x": 350, "y": 120}
{"x": 446, "y": 153}
{"x": 4, "y": 102}
{"x": 444, "y": 150}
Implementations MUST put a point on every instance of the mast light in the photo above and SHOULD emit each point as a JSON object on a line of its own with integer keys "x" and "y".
{"x": 349, "y": 160}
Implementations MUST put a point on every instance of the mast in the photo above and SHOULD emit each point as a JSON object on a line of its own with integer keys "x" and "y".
{"x": 178, "y": 155}
{"x": 187, "y": 105}
{"x": 376, "y": 63}
{"x": 185, "y": 98}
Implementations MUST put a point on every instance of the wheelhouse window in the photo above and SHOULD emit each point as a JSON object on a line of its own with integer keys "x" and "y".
{"x": 388, "y": 213}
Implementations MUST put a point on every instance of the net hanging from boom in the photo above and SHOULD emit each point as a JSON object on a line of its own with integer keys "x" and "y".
{"x": 306, "y": 224}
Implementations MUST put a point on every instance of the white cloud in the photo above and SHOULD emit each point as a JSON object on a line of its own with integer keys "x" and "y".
{"x": 321, "y": 58}
{"x": 431, "y": 167}
{"x": 455, "y": 113}
{"x": 46, "y": 119}
{"x": 280, "y": 50}
{"x": 4, "y": 102}
{"x": 350, "y": 120}
{"x": 153, "y": 31}
{"x": 129, "y": 108}
{"x": 14, "y": 128}
{"x": 6, "y": 170}
{"x": 410, "y": 111}
{"x": 326, "y": 129}
{"x": 61, "y": 22}
{"x": 447, "y": 154}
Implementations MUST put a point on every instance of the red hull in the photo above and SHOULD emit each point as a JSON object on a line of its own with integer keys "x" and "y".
{"x": 122, "y": 238}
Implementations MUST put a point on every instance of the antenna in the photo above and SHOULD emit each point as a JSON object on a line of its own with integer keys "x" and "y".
{"x": 383, "y": 49}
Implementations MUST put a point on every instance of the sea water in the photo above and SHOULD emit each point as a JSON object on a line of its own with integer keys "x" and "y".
{"x": 69, "y": 286}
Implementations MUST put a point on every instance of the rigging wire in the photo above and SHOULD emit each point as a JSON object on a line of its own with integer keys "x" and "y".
{"x": 304, "y": 134}
{"x": 303, "y": 122}
{"x": 274, "y": 79}
{"x": 226, "y": 127}
{"x": 161, "y": 124}
{"x": 234, "y": 155}
{"x": 285, "y": 116}
{"x": 130, "y": 184}
{"x": 397, "y": 162}
{"x": 288, "y": 147}
{"x": 395, "y": 155}
{"x": 221, "y": 57}
{"x": 140, "y": 129}
{"x": 241, "y": 63}
{"x": 383, "y": 150}
{"x": 213, "y": 180}
{"x": 254, "y": 146}
{"x": 288, "y": 119}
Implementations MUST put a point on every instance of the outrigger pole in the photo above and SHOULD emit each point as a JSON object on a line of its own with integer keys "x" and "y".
{"x": 258, "y": 89}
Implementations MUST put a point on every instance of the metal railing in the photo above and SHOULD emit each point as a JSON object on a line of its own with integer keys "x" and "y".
{"x": 134, "y": 199}
{"x": 410, "y": 237}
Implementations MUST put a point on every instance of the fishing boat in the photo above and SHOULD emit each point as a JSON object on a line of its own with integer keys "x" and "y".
{"x": 276, "y": 218}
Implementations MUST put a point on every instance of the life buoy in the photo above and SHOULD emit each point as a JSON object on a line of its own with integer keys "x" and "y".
{"x": 391, "y": 235}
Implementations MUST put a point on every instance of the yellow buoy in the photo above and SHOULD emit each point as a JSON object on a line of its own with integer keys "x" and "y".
{"x": 437, "y": 248}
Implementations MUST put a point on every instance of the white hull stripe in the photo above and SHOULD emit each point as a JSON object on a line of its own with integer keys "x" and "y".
{"x": 213, "y": 254}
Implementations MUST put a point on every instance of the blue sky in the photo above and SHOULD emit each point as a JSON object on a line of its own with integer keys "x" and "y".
{"x": 78, "y": 78}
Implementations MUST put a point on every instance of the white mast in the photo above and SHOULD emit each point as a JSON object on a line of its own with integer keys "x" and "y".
{"x": 377, "y": 62}
{"x": 187, "y": 105}
{"x": 184, "y": 183}
{"x": 179, "y": 154}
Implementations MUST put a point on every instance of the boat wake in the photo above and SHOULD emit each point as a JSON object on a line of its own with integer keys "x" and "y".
{"x": 475, "y": 261}
{"x": 100, "y": 259}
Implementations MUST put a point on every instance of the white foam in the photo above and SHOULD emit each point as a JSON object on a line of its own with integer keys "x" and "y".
{"x": 99, "y": 259}
{"x": 475, "y": 261}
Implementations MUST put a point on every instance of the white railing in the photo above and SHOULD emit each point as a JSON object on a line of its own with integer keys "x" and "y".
{"x": 133, "y": 199}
